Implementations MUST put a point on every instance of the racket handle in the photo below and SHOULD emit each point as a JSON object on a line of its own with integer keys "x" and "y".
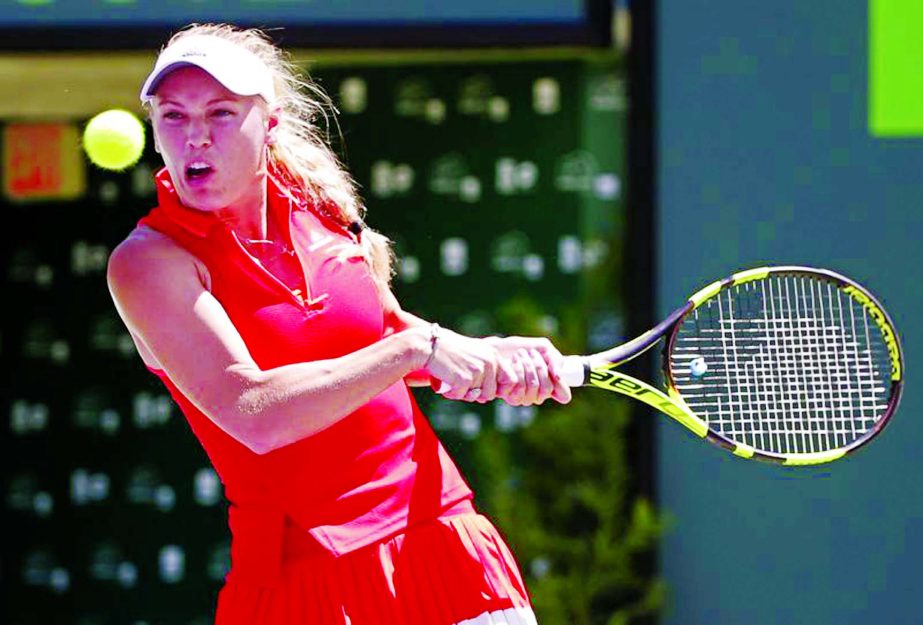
{"x": 573, "y": 373}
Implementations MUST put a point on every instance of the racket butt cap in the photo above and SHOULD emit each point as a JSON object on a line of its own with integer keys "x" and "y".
{"x": 575, "y": 371}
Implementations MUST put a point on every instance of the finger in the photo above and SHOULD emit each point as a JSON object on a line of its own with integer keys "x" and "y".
{"x": 472, "y": 395}
{"x": 545, "y": 383}
{"x": 532, "y": 382}
{"x": 488, "y": 383}
{"x": 507, "y": 376}
{"x": 562, "y": 393}
{"x": 539, "y": 385}
{"x": 552, "y": 357}
{"x": 455, "y": 393}
{"x": 518, "y": 394}
{"x": 514, "y": 394}
{"x": 458, "y": 387}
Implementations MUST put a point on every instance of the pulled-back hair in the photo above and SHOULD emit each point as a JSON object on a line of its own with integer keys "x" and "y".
{"x": 301, "y": 153}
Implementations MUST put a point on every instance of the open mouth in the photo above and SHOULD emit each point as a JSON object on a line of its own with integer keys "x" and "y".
{"x": 197, "y": 171}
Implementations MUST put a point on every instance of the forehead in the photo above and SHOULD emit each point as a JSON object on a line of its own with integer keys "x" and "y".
{"x": 193, "y": 84}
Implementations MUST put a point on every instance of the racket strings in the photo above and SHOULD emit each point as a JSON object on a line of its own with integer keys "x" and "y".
{"x": 793, "y": 365}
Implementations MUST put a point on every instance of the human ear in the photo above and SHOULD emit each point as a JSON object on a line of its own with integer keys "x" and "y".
{"x": 272, "y": 122}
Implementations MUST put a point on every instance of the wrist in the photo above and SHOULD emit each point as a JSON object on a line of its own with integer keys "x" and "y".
{"x": 418, "y": 346}
{"x": 432, "y": 336}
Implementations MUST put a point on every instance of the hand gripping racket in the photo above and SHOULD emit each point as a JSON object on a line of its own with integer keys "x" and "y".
{"x": 791, "y": 365}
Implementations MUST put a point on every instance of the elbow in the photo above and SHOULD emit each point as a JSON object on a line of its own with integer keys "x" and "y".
{"x": 260, "y": 438}
{"x": 246, "y": 418}
{"x": 251, "y": 436}
{"x": 253, "y": 428}
{"x": 259, "y": 447}
{"x": 241, "y": 424}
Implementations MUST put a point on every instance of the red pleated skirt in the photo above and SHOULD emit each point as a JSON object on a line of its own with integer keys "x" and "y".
{"x": 455, "y": 569}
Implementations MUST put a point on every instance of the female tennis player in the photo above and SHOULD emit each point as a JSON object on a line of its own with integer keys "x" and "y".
{"x": 256, "y": 294}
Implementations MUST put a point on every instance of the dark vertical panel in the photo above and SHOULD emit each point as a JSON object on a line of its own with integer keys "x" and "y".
{"x": 765, "y": 157}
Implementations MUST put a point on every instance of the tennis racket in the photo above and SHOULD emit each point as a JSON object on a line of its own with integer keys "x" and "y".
{"x": 792, "y": 365}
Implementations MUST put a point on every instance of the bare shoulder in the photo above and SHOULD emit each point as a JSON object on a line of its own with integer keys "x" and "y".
{"x": 153, "y": 281}
{"x": 146, "y": 244}
{"x": 148, "y": 255}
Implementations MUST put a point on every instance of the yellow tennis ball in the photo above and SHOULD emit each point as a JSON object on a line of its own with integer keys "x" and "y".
{"x": 114, "y": 139}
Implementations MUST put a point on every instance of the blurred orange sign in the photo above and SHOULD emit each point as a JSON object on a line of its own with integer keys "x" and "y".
{"x": 42, "y": 161}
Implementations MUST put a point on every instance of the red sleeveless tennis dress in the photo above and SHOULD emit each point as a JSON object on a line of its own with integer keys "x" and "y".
{"x": 369, "y": 521}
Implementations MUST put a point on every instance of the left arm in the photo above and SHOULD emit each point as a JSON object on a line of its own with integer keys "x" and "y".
{"x": 398, "y": 319}
{"x": 530, "y": 366}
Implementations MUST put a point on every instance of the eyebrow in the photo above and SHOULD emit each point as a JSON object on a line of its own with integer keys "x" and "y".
{"x": 209, "y": 103}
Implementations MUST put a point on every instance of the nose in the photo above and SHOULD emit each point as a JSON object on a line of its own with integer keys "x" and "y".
{"x": 198, "y": 134}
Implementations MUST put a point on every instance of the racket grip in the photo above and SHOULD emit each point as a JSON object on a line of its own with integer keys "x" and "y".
{"x": 573, "y": 373}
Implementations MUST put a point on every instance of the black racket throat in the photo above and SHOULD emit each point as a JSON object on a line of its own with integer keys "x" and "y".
{"x": 626, "y": 352}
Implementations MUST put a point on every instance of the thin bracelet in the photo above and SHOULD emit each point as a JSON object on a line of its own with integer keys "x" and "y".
{"x": 433, "y": 343}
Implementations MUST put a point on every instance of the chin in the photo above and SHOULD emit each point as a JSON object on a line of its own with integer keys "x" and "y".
{"x": 205, "y": 207}
{"x": 201, "y": 200}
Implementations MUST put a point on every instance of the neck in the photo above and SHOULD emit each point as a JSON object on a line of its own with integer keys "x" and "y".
{"x": 248, "y": 217}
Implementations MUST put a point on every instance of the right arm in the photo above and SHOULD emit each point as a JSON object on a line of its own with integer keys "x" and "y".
{"x": 160, "y": 293}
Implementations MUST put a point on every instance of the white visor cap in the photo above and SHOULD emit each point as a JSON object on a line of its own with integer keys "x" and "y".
{"x": 238, "y": 69}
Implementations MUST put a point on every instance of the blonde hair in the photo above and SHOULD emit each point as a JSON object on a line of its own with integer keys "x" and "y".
{"x": 300, "y": 154}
